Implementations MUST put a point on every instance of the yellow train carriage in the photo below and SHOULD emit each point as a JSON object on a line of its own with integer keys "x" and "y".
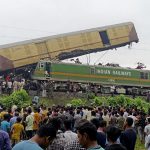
{"x": 66, "y": 45}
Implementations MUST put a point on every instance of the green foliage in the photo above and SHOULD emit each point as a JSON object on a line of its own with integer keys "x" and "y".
{"x": 19, "y": 98}
{"x": 129, "y": 101}
{"x": 138, "y": 102}
{"x": 112, "y": 101}
{"x": 98, "y": 101}
{"x": 78, "y": 102}
{"x": 123, "y": 100}
{"x": 120, "y": 100}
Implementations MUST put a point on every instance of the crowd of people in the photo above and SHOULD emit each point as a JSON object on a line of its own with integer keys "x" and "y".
{"x": 11, "y": 84}
{"x": 45, "y": 88}
{"x": 70, "y": 128}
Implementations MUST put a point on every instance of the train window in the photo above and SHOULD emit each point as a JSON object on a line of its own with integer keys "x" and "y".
{"x": 92, "y": 70}
{"x": 48, "y": 67}
{"x": 144, "y": 75}
{"x": 104, "y": 37}
{"x": 41, "y": 65}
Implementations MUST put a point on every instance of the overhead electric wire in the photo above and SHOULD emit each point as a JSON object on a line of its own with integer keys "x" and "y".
{"x": 89, "y": 58}
{"x": 101, "y": 57}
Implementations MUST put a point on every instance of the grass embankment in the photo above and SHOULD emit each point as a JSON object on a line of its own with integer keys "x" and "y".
{"x": 139, "y": 146}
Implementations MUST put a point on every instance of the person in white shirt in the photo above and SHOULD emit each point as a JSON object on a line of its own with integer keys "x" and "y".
{"x": 15, "y": 83}
{"x": 22, "y": 83}
{"x": 84, "y": 113}
{"x": 29, "y": 124}
{"x": 9, "y": 85}
{"x": 134, "y": 118}
{"x": 69, "y": 135}
{"x": 125, "y": 115}
{"x": 88, "y": 114}
{"x": 106, "y": 117}
{"x": 147, "y": 142}
{"x": 147, "y": 130}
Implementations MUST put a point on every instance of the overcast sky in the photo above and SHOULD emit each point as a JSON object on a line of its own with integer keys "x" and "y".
{"x": 27, "y": 19}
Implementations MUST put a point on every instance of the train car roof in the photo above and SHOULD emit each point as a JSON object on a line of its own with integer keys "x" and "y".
{"x": 38, "y": 40}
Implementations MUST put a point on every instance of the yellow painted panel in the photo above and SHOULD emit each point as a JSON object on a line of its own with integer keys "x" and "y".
{"x": 27, "y": 50}
{"x": 54, "y": 45}
{"x": 24, "y": 51}
{"x": 6, "y": 53}
{"x": 49, "y": 44}
{"x": 57, "y": 44}
{"x": 96, "y": 37}
{"x": 66, "y": 42}
{"x": 42, "y": 50}
{"x": 51, "y": 49}
{"x": 33, "y": 49}
{"x": 119, "y": 41}
{"x": 112, "y": 33}
{"x": 23, "y": 62}
{"x": 18, "y": 52}
{"x": 97, "y": 45}
{"x": 127, "y": 29}
{"x": 41, "y": 47}
{"x": 117, "y": 32}
{"x": 74, "y": 42}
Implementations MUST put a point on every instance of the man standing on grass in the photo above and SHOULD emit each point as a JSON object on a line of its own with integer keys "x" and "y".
{"x": 17, "y": 132}
{"x": 29, "y": 124}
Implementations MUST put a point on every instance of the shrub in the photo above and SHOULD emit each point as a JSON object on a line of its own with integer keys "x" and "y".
{"x": 120, "y": 100}
{"x": 19, "y": 98}
{"x": 98, "y": 101}
{"x": 78, "y": 102}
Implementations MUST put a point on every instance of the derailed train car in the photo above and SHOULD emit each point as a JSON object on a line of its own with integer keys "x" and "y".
{"x": 19, "y": 55}
{"x": 100, "y": 75}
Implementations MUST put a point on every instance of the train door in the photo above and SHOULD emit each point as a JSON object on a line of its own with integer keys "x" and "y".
{"x": 47, "y": 68}
{"x": 105, "y": 39}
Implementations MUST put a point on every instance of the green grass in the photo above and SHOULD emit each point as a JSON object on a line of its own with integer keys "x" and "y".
{"x": 139, "y": 146}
